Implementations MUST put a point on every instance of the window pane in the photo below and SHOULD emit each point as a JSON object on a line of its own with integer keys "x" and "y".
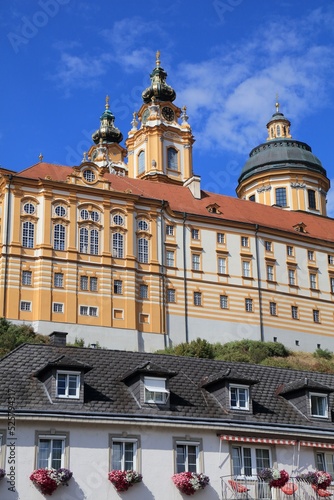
{"x": 236, "y": 461}
{"x": 262, "y": 459}
{"x": 247, "y": 462}
{"x": 61, "y": 384}
{"x": 43, "y": 453}
{"x": 117, "y": 452}
{"x": 180, "y": 458}
{"x": 128, "y": 456}
{"x": 57, "y": 448}
{"x": 192, "y": 456}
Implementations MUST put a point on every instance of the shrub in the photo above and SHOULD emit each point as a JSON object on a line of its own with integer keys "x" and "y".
{"x": 323, "y": 354}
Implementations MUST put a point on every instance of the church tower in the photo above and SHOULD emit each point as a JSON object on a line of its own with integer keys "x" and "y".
{"x": 284, "y": 172}
{"x": 160, "y": 142}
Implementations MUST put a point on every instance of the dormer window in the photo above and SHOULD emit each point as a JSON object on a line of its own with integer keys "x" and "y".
{"x": 68, "y": 384}
{"x": 89, "y": 175}
{"x": 319, "y": 405}
{"x": 239, "y": 397}
{"x": 155, "y": 390}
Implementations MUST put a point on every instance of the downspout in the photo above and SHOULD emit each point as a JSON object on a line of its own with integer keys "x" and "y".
{"x": 259, "y": 281}
{"x": 163, "y": 278}
{"x": 186, "y": 328}
{"x": 10, "y": 177}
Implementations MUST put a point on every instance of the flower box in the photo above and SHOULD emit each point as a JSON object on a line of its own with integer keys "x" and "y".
{"x": 276, "y": 478}
{"x": 124, "y": 479}
{"x": 190, "y": 482}
{"x": 48, "y": 480}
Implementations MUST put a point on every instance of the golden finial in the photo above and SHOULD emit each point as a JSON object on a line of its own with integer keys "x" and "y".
{"x": 277, "y": 104}
{"x": 107, "y": 102}
{"x": 157, "y": 61}
{"x": 40, "y": 157}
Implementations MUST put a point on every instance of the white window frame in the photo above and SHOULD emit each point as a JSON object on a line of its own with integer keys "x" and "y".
{"x": 59, "y": 237}
{"x": 26, "y": 278}
{"x": 310, "y": 255}
{"x": 93, "y": 283}
{"x": 118, "y": 245}
{"x": 50, "y": 464}
{"x": 246, "y": 269}
{"x": 143, "y": 250}
{"x": 221, "y": 238}
{"x": 26, "y": 306}
{"x": 121, "y": 464}
{"x": 270, "y": 273}
{"x": 319, "y": 396}
{"x": 331, "y": 260}
{"x": 169, "y": 230}
{"x": 155, "y": 390}
{"x": 67, "y": 375}
{"x": 248, "y": 304}
{"x": 170, "y": 258}
{"x": 172, "y": 159}
{"x": 197, "y": 298}
{"x": 223, "y": 300}
{"x": 143, "y": 291}
{"x": 313, "y": 281}
{"x": 325, "y": 461}
{"x": 331, "y": 283}
{"x": 171, "y": 295}
{"x": 185, "y": 465}
{"x": 238, "y": 389}
{"x": 245, "y": 241}
{"x": 84, "y": 283}
{"x": 118, "y": 287}
{"x": 58, "y": 280}
{"x": 289, "y": 251}
{"x": 241, "y": 470}
{"x": 195, "y": 262}
{"x": 28, "y": 234}
{"x": 89, "y": 311}
{"x": 58, "y": 307}
{"x": 268, "y": 246}
{"x": 292, "y": 277}
{"x": 316, "y": 316}
{"x": 273, "y": 308}
{"x": 294, "y": 312}
{"x": 222, "y": 265}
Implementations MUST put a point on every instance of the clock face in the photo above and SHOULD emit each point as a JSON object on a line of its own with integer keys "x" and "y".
{"x": 146, "y": 114}
{"x": 168, "y": 113}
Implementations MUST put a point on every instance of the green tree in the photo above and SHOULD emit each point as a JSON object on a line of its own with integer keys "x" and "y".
{"x": 11, "y": 336}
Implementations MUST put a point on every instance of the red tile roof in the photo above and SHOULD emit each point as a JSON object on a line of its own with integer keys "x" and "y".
{"x": 180, "y": 199}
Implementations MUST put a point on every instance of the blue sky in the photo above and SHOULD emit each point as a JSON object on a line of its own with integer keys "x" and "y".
{"x": 226, "y": 60}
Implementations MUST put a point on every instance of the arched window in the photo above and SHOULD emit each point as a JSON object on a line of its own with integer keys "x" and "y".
{"x": 278, "y": 131}
{"x": 141, "y": 162}
{"x": 94, "y": 242}
{"x": 172, "y": 158}
{"x": 83, "y": 243}
{"x": 143, "y": 250}
{"x": 28, "y": 233}
{"x": 59, "y": 237}
{"x": 118, "y": 245}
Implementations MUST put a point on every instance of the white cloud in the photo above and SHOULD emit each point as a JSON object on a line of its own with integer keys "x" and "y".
{"x": 231, "y": 96}
{"x": 330, "y": 201}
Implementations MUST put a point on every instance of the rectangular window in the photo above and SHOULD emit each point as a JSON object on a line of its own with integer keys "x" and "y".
{"x": 313, "y": 281}
{"x": 26, "y": 277}
{"x": 187, "y": 457}
{"x": 169, "y": 230}
{"x": 249, "y": 461}
{"x": 281, "y": 197}
{"x": 93, "y": 284}
{"x": 195, "y": 234}
{"x": 222, "y": 265}
{"x": 245, "y": 241}
{"x": 273, "y": 308}
{"x": 88, "y": 311}
{"x": 221, "y": 238}
{"x": 118, "y": 287}
{"x": 331, "y": 260}
{"x": 246, "y": 269}
{"x": 50, "y": 453}
{"x": 68, "y": 385}
{"x": 83, "y": 282}
{"x": 170, "y": 262}
{"x": 196, "y": 262}
{"x": 197, "y": 298}
{"x": 58, "y": 308}
{"x": 319, "y": 405}
{"x": 143, "y": 291}
{"x": 223, "y": 302}
{"x": 332, "y": 284}
{"x": 325, "y": 462}
{"x": 171, "y": 296}
{"x": 25, "y": 306}
{"x": 311, "y": 199}
{"x": 292, "y": 277}
{"x": 239, "y": 397}
{"x": 249, "y": 305}
{"x": 289, "y": 251}
{"x": 155, "y": 390}
{"x": 124, "y": 454}
{"x": 316, "y": 316}
{"x": 294, "y": 312}
{"x": 270, "y": 273}
{"x": 58, "y": 280}
{"x": 310, "y": 255}
{"x": 268, "y": 246}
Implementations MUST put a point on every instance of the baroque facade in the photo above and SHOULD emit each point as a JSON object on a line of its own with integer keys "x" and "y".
{"x": 94, "y": 410}
{"x": 126, "y": 250}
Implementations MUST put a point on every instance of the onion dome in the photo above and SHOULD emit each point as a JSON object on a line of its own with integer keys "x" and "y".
{"x": 280, "y": 151}
{"x": 158, "y": 88}
{"x": 107, "y": 133}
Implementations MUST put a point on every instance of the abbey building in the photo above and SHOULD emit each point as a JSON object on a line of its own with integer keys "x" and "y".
{"x": 127, "y": 250}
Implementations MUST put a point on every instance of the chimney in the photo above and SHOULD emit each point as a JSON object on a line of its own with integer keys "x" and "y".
{"x": 58, "y": 338}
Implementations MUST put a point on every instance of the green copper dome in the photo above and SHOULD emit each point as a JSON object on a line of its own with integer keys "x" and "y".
{"x": 107, "y": 133}
{"x": 158, "y": 88}
{"x": 280, "y": 151}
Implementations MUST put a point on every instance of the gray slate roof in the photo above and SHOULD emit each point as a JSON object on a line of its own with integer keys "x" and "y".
{"x": 107, "y": 394}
